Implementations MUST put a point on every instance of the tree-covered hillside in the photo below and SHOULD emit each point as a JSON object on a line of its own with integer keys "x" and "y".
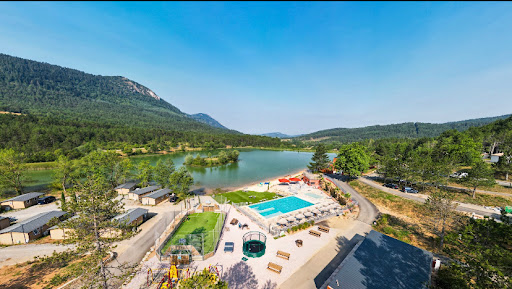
{"x": 32, "y": 87}
{"x": 45, "y": 138}
{"x": 204, "y": 118}
{"x": 402, "y": 130}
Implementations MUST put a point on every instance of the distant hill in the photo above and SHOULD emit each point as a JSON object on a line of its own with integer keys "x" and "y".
{"x": 279, "y": 135}
{"x": 38, "y": 88}
{"x": 204, "y": 118}
{"x": 402, "y": 130}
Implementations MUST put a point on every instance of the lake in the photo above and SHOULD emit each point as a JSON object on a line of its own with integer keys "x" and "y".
{"x": 253, "y": 166}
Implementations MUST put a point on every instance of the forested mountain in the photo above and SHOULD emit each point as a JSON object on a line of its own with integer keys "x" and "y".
{"x": 37, "y": 88}
{"x": 62, "y": 111}
{"x": 204, "y": 118}
{"x": 402, "y": 130}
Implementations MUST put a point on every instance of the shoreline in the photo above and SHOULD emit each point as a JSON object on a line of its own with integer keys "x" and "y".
{"x": 272, "y": 180}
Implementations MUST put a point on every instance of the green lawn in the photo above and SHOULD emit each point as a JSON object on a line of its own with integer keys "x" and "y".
{"x": 241, "y": 196}
{"x": 199, "y": 223}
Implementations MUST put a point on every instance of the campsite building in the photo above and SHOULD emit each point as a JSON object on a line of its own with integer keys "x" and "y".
{"x": 133, "y": 217}
{"x": 22, "y": 201}
{"x": 4, "y": 222}
{"x": 61, "y": 232}
{"x": 137, "y": 194}
{"x": 380, "y": 261}
{"x": 29, "y": 229}
{"x": 156, "y": 197}
{"x": 125, "y": 188}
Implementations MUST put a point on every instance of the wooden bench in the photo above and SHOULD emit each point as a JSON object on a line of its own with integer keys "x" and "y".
{"x": 315, "y": 233}
{"x": 283, "y": 255}
{"x": 274, "y": 267}
{"x": 323, "y": 229}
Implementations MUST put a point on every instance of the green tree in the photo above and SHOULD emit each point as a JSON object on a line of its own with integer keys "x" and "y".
{"x": 222, "y": 157}
{"x": 319, "y": 160}
{"x": 483, "y": 249}
{"x": 203, "y": 280}
{"x": 94, "y": 208}
{"x": 395, "y": 163}
{"x": 180, "y": 182}
{"x": 480, "y": 175}
{"x": 352, "y": 159}
{"x": 163, "y": 170}
{"x": 63, "y": 200}
{"x": 12, "y": 170}
{"x": 505, "y": 162}
{"x": 64, "y": 172}
{"x": 233, "y": 155}
{"x": 189, "y": 159}
{"x": 441, "y": 209}
{"x": 106, "y": 163}
{"x": 144, "y": 173}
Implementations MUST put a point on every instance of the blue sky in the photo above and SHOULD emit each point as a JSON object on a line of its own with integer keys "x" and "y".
{"x": 293, "y": 67}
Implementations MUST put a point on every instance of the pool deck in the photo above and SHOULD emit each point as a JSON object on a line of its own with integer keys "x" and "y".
{"x": 300, "y": 190}
{"x": 254, "y": 270}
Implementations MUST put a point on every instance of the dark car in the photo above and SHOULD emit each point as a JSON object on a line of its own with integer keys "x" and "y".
{"x": 409, "y": 190}
{"x": 46, "y": 200}
{"x": 393, "y": 186}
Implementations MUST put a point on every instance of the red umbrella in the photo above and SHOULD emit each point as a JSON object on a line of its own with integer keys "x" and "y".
{"x": 284, "y": 180}
{"x": 295, "y": 179}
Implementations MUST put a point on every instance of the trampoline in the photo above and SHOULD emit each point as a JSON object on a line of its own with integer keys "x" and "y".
{"x": 254, "y": 244}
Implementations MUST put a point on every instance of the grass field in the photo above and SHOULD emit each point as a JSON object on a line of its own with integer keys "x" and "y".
{"x": 241, "y": 196}
{"x": 199, "y": 223}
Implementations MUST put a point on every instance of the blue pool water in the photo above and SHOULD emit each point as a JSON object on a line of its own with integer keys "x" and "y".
{"x": 280, "y": 206}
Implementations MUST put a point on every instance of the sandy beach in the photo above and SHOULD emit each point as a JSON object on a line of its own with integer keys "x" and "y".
{"x": 256, "y": 185}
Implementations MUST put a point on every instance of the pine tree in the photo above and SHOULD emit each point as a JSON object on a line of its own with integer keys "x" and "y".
{"x": 320, "y": 159}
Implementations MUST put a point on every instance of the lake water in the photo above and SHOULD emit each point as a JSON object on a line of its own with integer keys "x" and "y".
{"x": 253, "y": 166}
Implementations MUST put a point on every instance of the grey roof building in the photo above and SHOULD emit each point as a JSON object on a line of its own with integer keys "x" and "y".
{"x": 145, "y": 190}
{"x": 128, "y": 186}
{"x": 33, "y": 223}
{"x": 380, "y": 261}
{"x": 158, "y": 194}
{"x": 131, "y": 215}
{"x": 24, "y": 197}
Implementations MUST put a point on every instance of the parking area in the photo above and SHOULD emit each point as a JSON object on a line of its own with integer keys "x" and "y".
{"x": 23, "y": 214}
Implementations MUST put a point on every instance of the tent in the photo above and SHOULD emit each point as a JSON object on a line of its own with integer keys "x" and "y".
{"x": 294, "y": 179}
{"x": 284, "y": 180}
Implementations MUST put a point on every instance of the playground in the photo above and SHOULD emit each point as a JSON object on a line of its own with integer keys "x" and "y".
{"x": 201, "y": 230}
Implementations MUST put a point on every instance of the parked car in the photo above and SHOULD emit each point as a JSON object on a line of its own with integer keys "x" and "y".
{"x": 459, "y": 175}
{"x": 46, "y": 200}
{"x": 390, "y": 185}
{"x": 409, "y": 190}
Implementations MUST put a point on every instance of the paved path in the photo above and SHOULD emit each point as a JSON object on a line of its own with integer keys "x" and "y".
{"x": 462, "y": 207}
{"x": 318, "y": 269}
{"x": 21, "y": 253}
{"x": 368, "y": 211}
{"x": 23, "y": 214}
{"x": 503, "y": 183}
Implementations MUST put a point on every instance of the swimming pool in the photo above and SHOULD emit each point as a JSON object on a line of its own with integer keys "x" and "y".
{"x": 280, "y": 206}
